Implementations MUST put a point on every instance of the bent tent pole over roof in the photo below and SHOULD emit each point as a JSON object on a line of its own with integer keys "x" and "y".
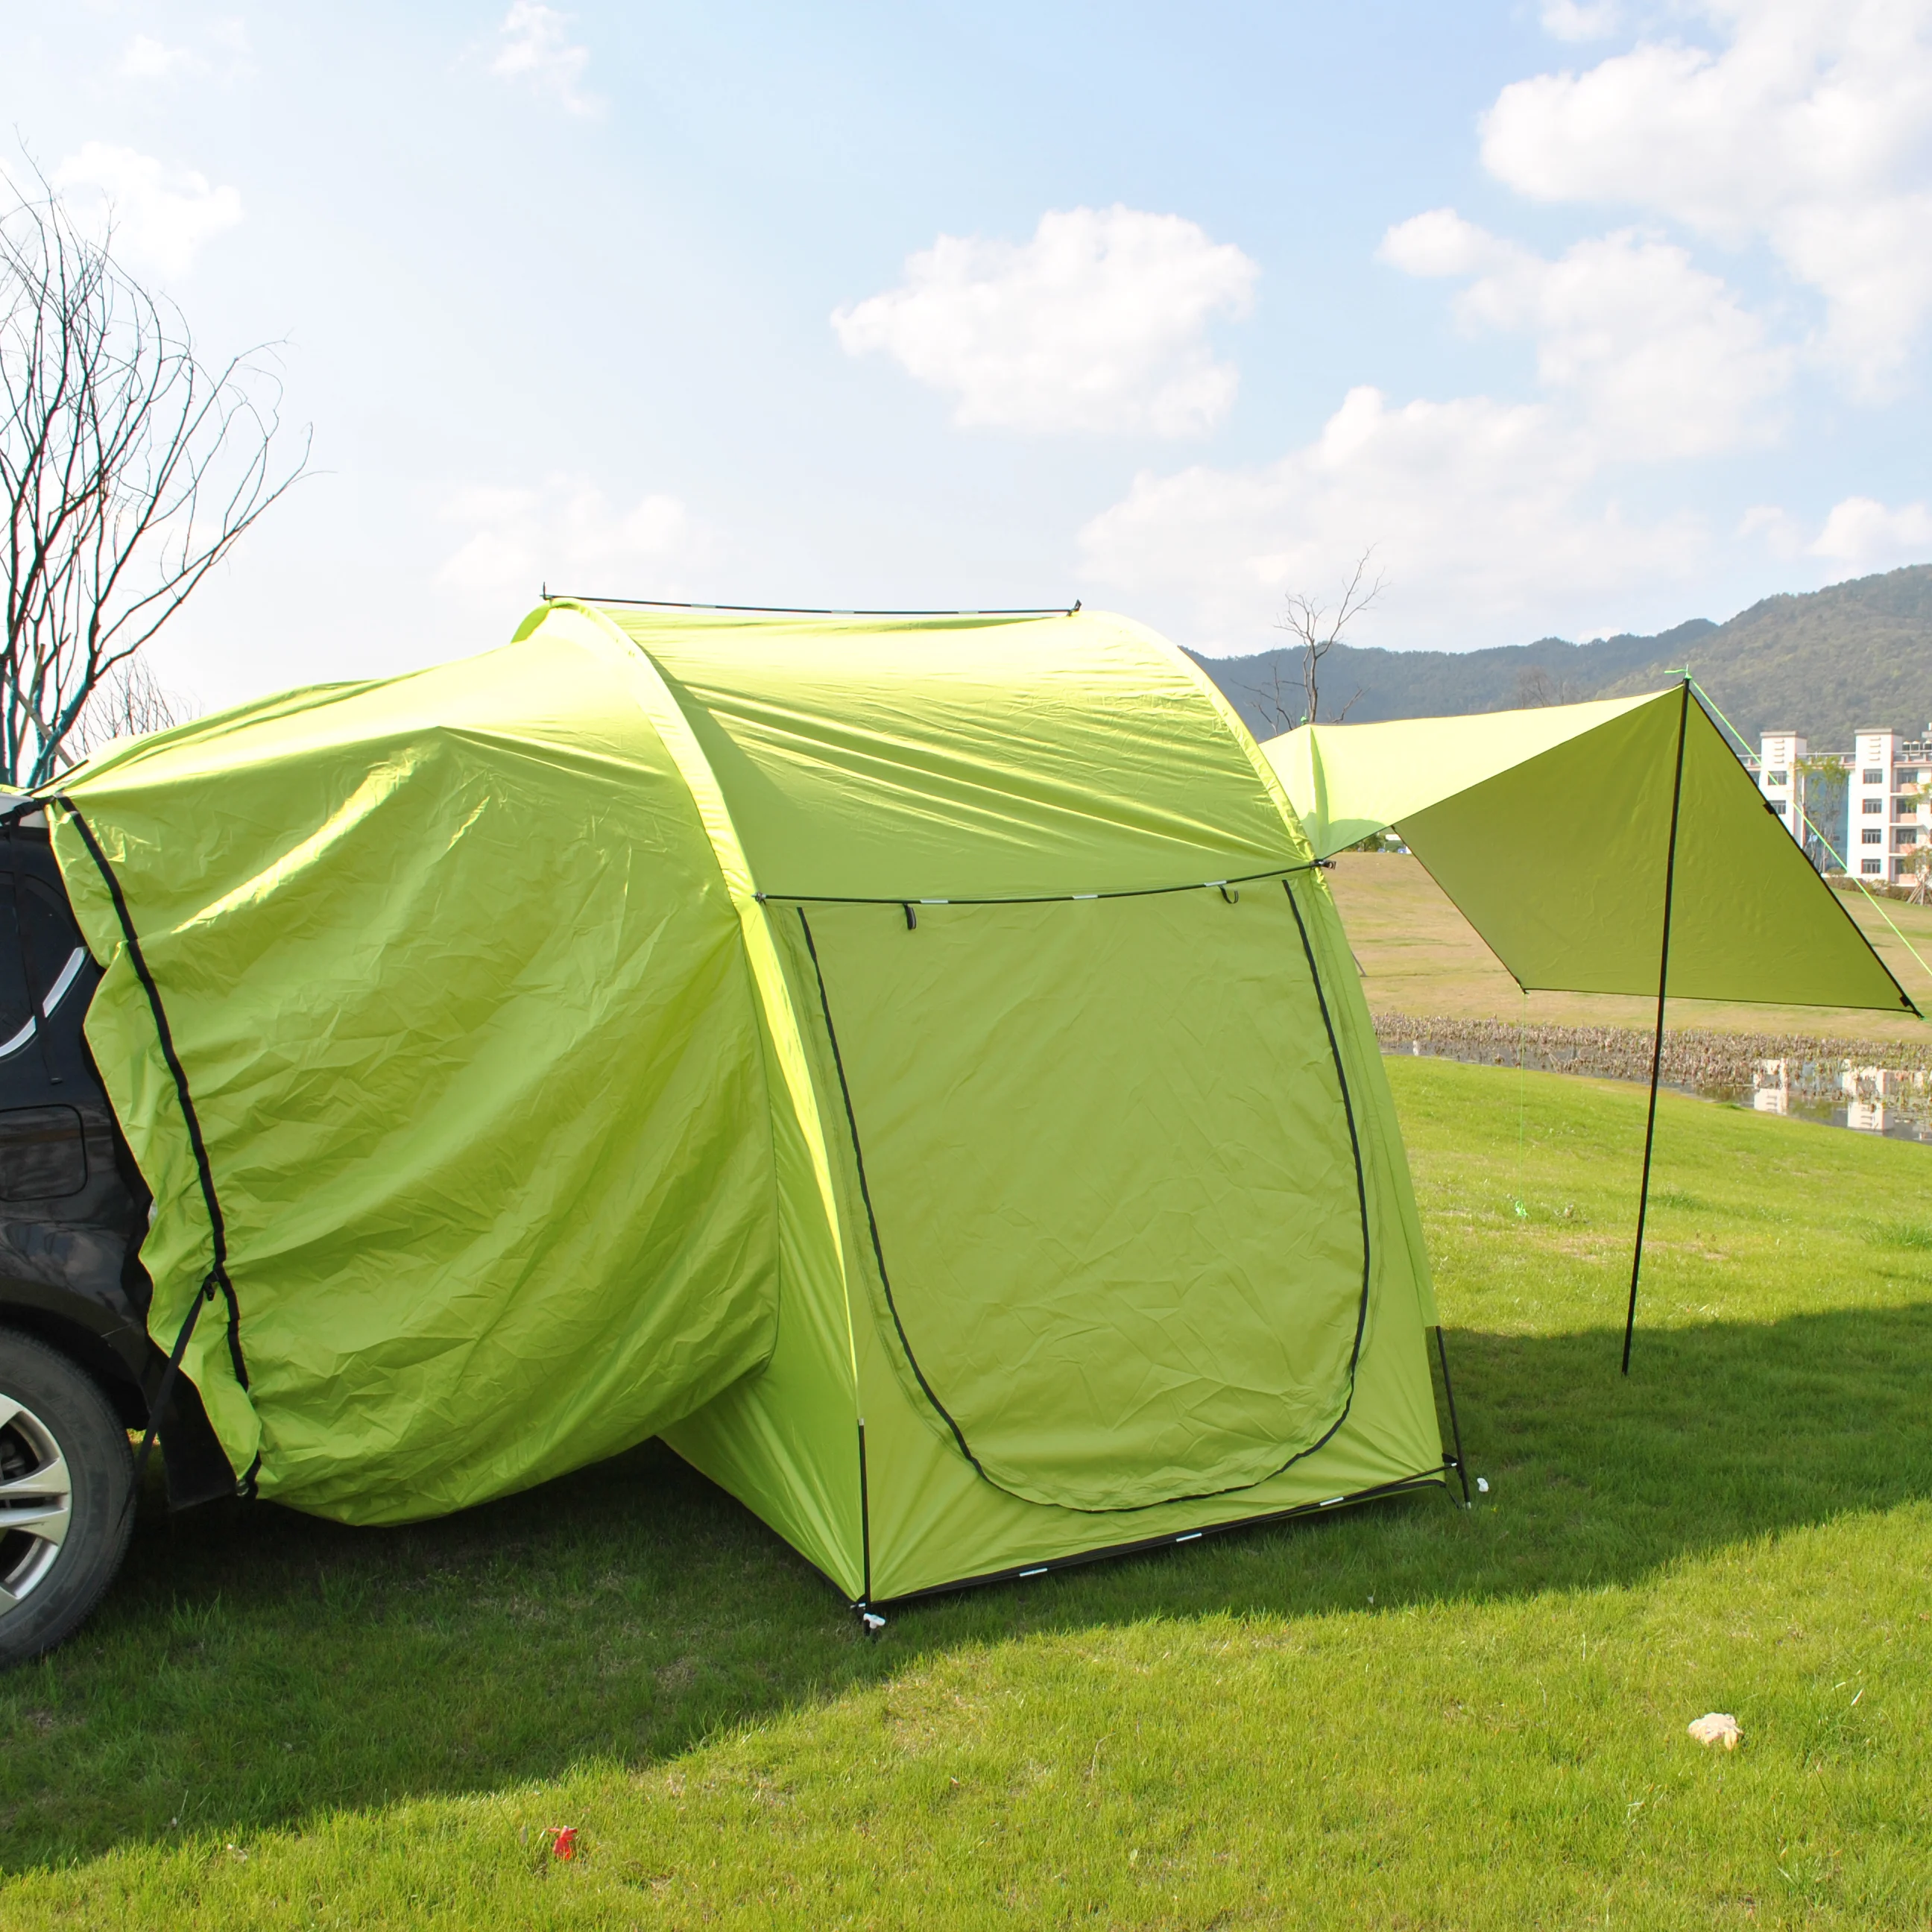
{"x": 1616, "y": 846}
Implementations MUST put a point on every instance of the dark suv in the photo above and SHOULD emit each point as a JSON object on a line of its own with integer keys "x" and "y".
{"x": 78, "y": 1372}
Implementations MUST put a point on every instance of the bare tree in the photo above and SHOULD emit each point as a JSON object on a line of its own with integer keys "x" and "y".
{"x": 1318, "y": 628}
{"x": 129, "y": 702}
{"x": 129, "y": 468}
{"x": 1535, "y": 686}
{"x": 1278, "y": 703}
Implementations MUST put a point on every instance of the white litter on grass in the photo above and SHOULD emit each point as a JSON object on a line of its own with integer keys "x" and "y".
{"x": 1717, "y": 1727}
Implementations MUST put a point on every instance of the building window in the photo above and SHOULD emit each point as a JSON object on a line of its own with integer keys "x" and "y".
{"x": 1871, "y": 864}
{"x": 1871, "y": 806}
{"x": 1906, "y": 834}
{"x": 1778, "y": 777}
{"x": 1776, "y": 805}
{"x": 1873, "y": 835}
{"x": 1872, "y": 777}
{"x": 1908, "y": 778}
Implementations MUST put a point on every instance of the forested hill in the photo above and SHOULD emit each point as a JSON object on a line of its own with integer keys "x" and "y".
{"x": 1823, "y": 663}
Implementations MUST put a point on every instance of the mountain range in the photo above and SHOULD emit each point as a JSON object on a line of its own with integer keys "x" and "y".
{"x": 1824, "y": 664}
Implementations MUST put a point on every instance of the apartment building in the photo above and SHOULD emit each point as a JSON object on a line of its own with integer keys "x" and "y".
{"x": 1887, "y": 783}
{"x": 1889, "y": 807}
{"x": 1781, "y": 776}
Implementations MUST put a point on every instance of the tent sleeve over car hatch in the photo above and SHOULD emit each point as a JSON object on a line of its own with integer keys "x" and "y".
{"x": 462, "y": 1007}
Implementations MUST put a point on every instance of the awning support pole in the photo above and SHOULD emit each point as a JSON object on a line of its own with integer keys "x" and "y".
{"x": 1656, "y": 1045}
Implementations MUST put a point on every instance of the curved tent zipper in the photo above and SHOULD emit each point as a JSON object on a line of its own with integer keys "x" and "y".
{"x": 865, "y": 1194}
{"x": 871, "y": 1217}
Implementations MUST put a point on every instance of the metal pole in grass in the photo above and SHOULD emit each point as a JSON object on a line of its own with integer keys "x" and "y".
{"x": 1656, "y": 1045}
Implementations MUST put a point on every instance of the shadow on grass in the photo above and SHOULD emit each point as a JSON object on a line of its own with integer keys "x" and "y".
{"x": 255, "y": 1668}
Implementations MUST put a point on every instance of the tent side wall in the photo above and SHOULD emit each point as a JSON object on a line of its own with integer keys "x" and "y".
{"x": 784, "y": 1442}
{"x": 462, "y": 1007}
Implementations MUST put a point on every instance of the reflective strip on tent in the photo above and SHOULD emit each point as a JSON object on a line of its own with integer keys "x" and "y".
{"x": 1550, "y": 830}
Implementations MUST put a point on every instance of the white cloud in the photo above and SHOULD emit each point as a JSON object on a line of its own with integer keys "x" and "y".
{"x": 1098, "y": 323}
{"x": 1580, "y": 20}
{"x": 1809, "y": 128}
{"x": 1660, "y": 357}
{"x": 146, "y": 58}
{"x": 161, "y": 217}
{"x": 1440, "y": 242}
{"x": 568, "y": 535}
{"x": 534, "y": 46}
{"x": 1777, "y": 529}
{"x": 1866, "y": 535}
{"x": 1483, "y": 513}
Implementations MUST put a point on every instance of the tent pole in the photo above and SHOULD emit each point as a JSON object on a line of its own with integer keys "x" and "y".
{"x": 1455, "y": 1426}
{"x": 1657, "y": 1045}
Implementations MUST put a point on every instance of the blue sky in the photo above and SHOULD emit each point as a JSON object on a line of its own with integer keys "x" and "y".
{"x": 1587, "y": 316}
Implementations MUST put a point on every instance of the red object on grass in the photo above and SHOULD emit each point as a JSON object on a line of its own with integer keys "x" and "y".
{"x": 563, "y": 1840}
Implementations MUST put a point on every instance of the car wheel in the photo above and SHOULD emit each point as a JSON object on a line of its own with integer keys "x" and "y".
{"x": 65, "y": 1476}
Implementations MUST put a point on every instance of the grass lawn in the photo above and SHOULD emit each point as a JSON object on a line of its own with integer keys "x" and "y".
{"x": 1419, "y": 956}
{"x": 1399, "y": 1715}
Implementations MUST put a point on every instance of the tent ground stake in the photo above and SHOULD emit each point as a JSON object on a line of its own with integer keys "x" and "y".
{"x": 1656, "y": 1045}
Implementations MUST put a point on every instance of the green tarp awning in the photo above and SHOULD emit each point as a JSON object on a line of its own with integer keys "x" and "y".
{"x": 1550, "y": 829}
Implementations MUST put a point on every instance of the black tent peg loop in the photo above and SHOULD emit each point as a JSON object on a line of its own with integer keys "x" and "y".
{"x": 1231, "y": 894}
{"x": 912, "y": 917}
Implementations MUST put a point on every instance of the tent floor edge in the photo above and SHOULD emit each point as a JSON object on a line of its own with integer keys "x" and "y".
{"x": 1423, "y": 1479}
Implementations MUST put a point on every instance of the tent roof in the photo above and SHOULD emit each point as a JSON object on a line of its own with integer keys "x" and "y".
{"x": 960, "y": 756}
{"x": 1551, "y": 828}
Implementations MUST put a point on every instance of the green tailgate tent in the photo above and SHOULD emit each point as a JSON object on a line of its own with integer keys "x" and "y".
{"x": 913, "y": 1066}
{"x": 1617, "y": 847}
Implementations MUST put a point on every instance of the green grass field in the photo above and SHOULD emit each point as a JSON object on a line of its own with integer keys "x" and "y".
{"x": 1402, "y": 1715}
{"x": 1419, "y": 956}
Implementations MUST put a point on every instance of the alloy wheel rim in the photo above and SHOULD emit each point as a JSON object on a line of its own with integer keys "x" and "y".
{"x": 36, "y": 1502}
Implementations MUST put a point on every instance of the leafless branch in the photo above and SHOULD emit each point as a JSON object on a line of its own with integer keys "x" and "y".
{"x": 1535, "y": 686}
{"x": 129, "y": 702}
{"x": 1276, "y": 702}
{"x": 1318, "y": 628}
{"x": 129, "y": 468}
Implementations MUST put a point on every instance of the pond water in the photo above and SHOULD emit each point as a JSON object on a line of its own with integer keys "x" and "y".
{"x": 1893, "y": 1102}
{"x": 1885, "y": 1100}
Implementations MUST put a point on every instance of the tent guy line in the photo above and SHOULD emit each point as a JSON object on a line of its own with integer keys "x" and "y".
{"x": 1810, "y": 825}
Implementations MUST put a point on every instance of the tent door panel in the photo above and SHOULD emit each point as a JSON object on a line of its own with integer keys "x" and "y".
{"x": 1110, "y": 1172}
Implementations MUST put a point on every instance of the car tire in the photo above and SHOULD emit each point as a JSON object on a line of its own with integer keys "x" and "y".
{"x": 66, "y": 1476}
